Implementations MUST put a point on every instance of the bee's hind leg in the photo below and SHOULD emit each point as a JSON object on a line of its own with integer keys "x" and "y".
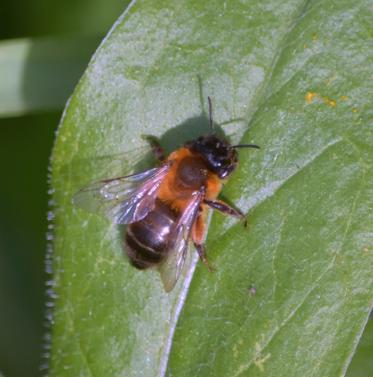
{"x": 156, "y": 147}
{"x": 202, "y": 255}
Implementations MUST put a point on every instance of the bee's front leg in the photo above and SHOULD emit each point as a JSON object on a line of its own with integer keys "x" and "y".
{"x": 224, "y": 208}
{"x": 156, "y": 147}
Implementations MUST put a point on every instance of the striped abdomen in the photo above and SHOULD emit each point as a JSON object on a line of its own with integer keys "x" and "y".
{"x": 147, "y": 240}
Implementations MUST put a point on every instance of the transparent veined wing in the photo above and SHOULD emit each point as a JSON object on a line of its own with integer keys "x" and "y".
{"x": 171, "y": 267}
{"x": 123, "y": 200}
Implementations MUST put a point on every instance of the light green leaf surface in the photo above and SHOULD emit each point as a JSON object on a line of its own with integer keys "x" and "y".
{"x": 292, "y": 292}
{"x": 39, "y": 74}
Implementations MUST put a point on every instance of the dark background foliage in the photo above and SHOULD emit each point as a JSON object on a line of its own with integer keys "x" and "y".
{"x": 25, "y": 146}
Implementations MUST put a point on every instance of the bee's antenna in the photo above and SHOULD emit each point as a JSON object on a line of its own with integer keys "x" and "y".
{"x": 211, "y": 123}
{"x": 246, "y": 146}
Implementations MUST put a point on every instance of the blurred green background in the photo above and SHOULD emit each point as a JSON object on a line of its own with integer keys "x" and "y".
{"x": 25, "y": 146}
{"x": 61, "y": 36}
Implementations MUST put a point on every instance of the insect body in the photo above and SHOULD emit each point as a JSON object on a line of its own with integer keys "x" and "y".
{"x": 165, "y": 207}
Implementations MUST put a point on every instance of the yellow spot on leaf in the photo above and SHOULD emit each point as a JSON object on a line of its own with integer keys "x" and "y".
{"x": 330, "y": 102}
{"x": 354, "y": 110}
{"x": 344, "y": 98}
{"x": 310, "y": 96}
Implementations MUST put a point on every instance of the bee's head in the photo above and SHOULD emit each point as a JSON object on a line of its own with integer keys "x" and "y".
{"x": 217, "y": 153}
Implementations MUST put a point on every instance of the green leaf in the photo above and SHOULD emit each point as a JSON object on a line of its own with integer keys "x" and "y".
{"x": 39, "y": 74}
{"x": 292, "y": 292}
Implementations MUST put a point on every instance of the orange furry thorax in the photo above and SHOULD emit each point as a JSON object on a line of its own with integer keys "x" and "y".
{"x": 175, "y": 191}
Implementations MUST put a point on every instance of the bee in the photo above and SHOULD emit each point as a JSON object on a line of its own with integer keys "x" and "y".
{"x": 165, "y": 207}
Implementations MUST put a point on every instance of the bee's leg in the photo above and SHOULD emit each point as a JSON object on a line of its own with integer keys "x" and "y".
{"x": 198, "y": 232}
{"x": 202, "y": 255}
{"x": 157, "y": 150}
{"x": 226, "y": 209}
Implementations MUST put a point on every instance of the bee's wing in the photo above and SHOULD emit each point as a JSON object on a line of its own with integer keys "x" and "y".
{"x": 123, "y": 200}
{"x": 172, "y": 266}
